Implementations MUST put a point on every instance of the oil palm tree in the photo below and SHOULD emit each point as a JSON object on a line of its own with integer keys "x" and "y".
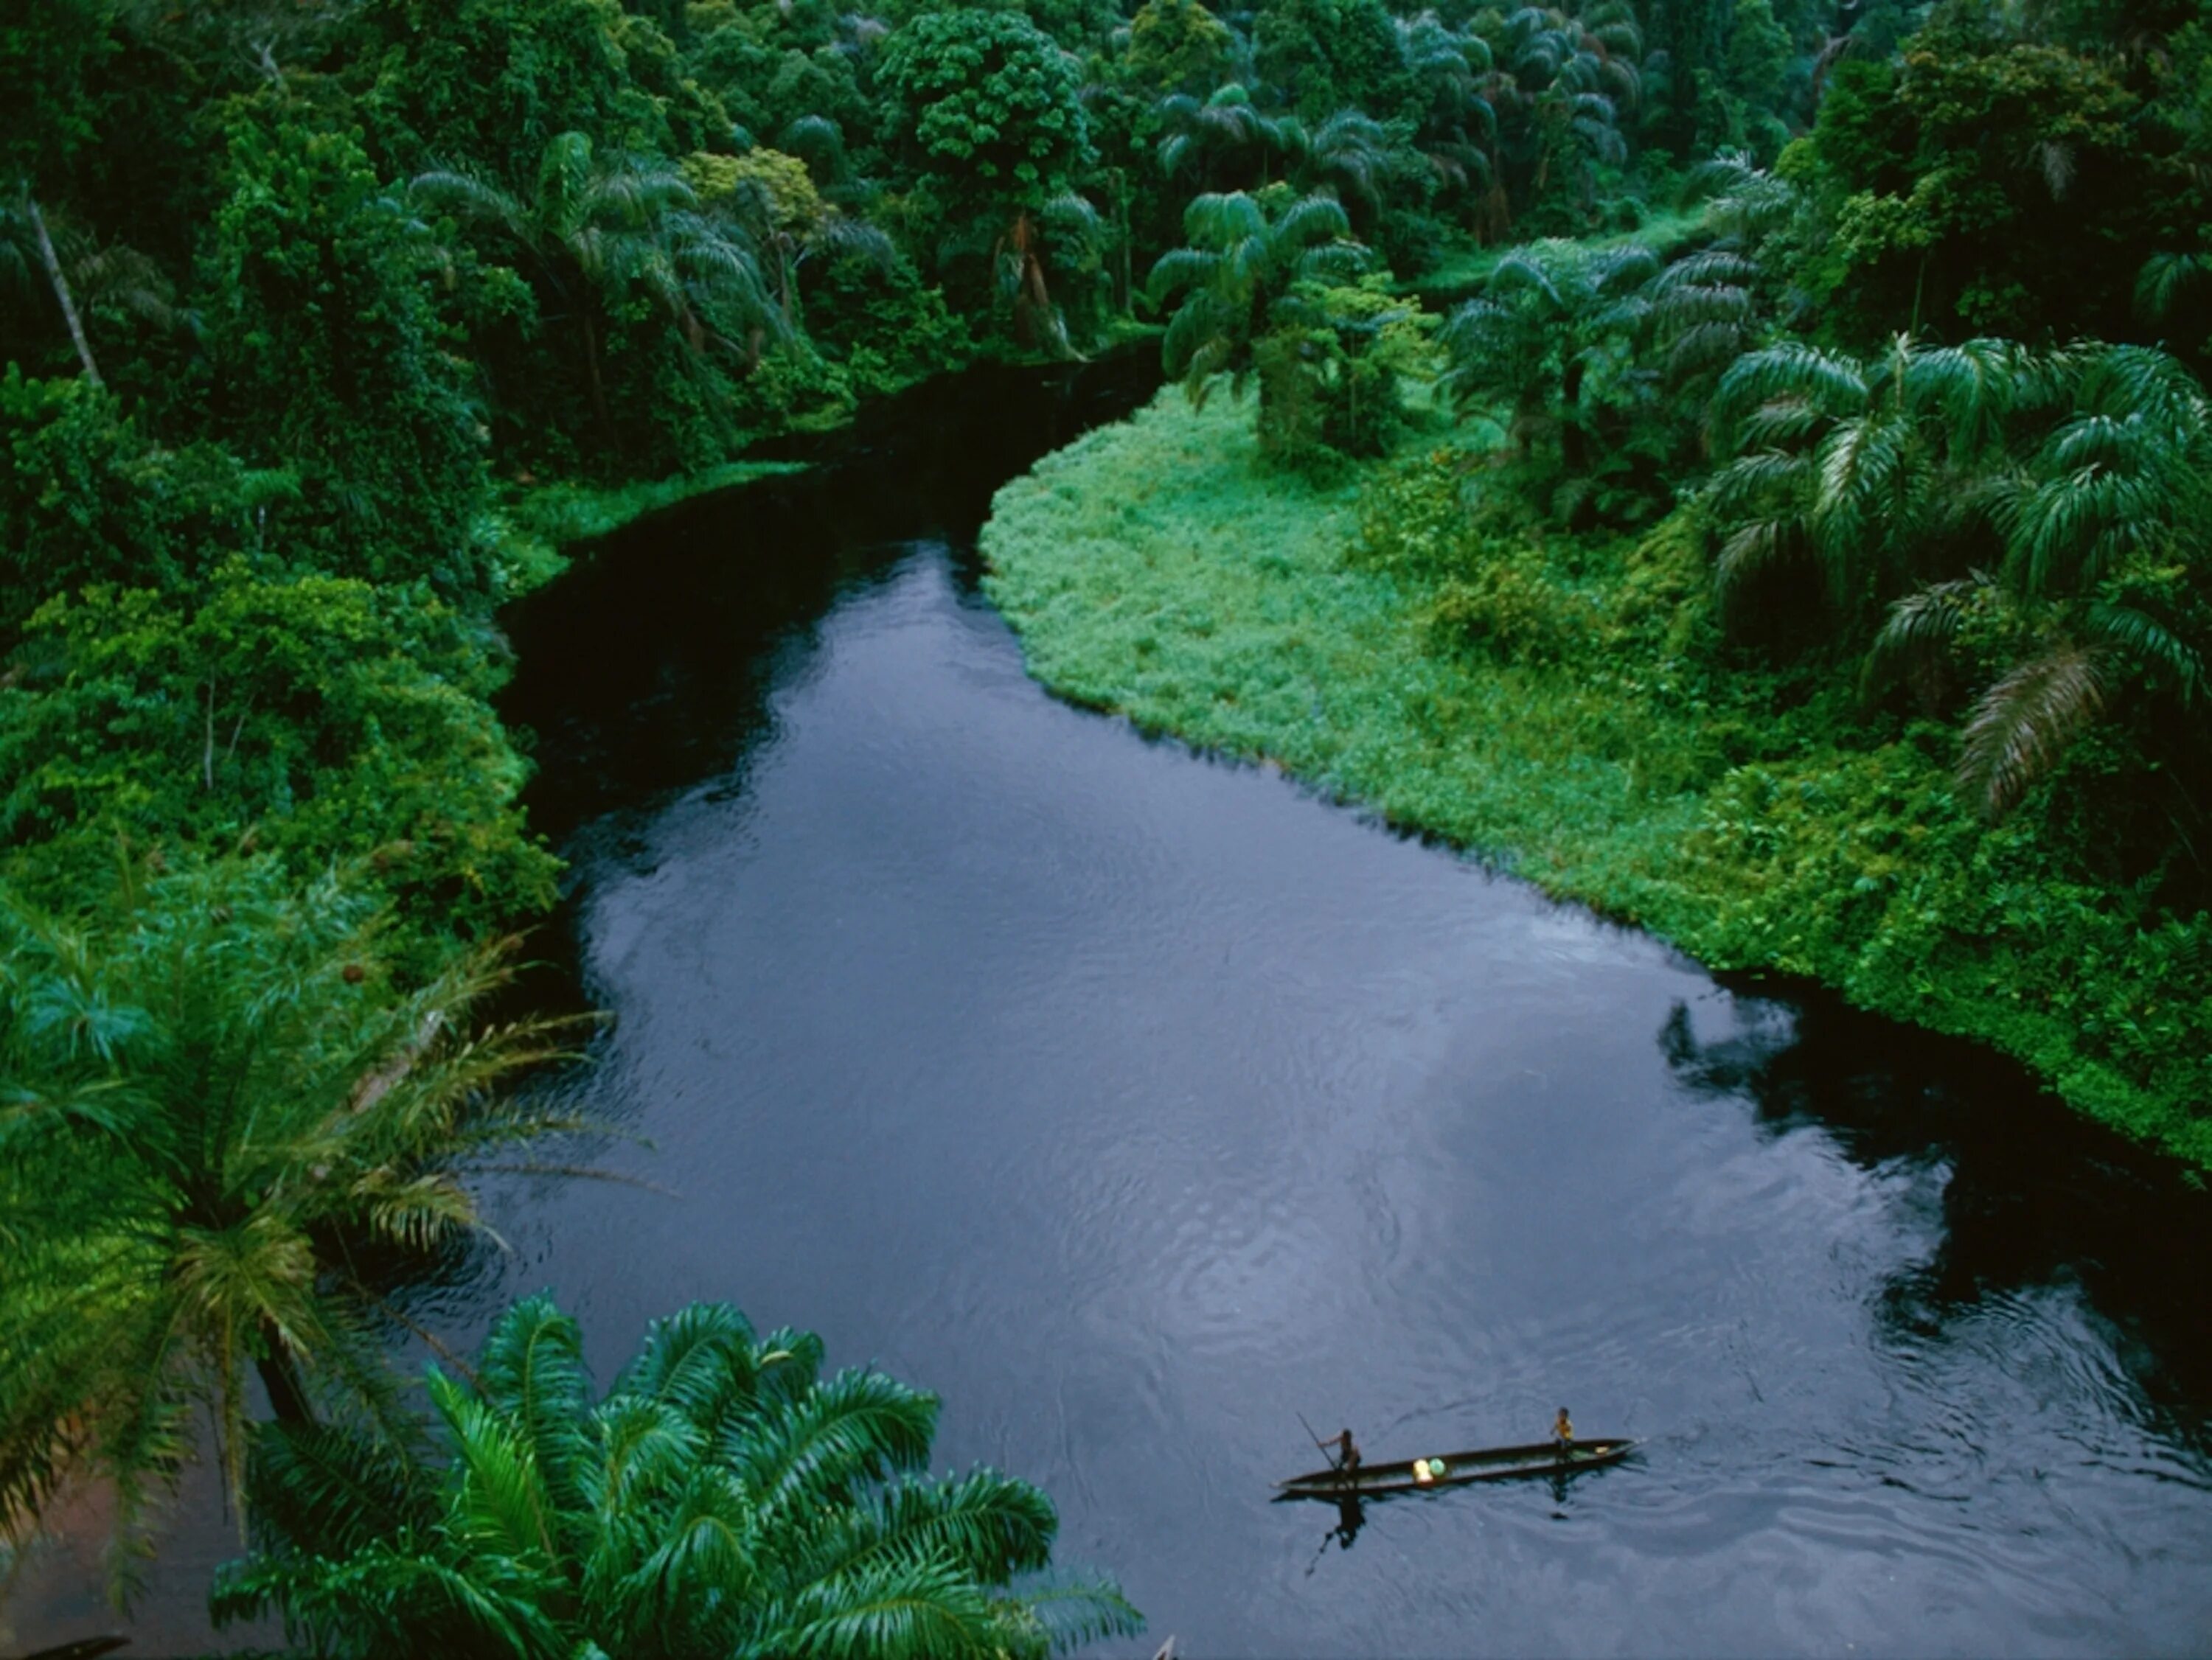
{"x": 1222, "y": 140}
{"x": 2104, "y": 517}
{"x": 1240, "y": 261}
{"x": 722, "y": 1498}
{"x": 1878, "y": 472}
{"x": 1551, "y": 319}
{"x": 214, "y": 1110}
{"x": 599, "y": 226}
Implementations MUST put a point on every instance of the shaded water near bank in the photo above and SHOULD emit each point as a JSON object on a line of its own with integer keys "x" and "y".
{"x": 1140, "y": 1104}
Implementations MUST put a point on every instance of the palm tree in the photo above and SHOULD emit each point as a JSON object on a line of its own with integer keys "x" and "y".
{"x": 84, "y": 277}
{"x": 1223, "y": 139}
{"x": 2031, "y": 500}
{"x": 1550, "y": 317}
{"x": 1569, "y": 75}
{"x": 789, "y": 219}
{"x": 1456, "y": 132}
{"x": 600, "y": 227}
{"x": 213, "y": 1107}
{"x": 723, "y": 1498}
{"x": 1240, "y": 261}
{"x": 1067, "y": 232}
{"x": 25, "y": 223}
{"x": 1744, "y": 203}
{"x": 1879, "y": 473}
{"x": 1349, "y": 155}
{"x": 2113, "y": 500}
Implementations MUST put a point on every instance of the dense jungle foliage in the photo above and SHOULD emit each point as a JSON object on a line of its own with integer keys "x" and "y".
{"x": 1791, "y": 406}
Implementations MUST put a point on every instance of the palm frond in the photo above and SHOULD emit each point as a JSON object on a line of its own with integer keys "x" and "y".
{"x": 1920, "y": 627}
{"x": 856, "y": 1426}
{"x": 2022, "y": 726}
{"x": 1752, "y": 549}
{"x": 2136, "y": 633}
{"x": 329, "y": 1489}
{"x": 1832, "y": 384}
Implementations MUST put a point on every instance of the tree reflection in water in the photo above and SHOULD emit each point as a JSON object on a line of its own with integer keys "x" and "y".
{"x": 2033, "y": 1198}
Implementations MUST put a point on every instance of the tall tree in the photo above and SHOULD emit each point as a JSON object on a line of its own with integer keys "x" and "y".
{"x": 1243, "y": 257}
{"x": 598, "y": 229}
{"x": 218, "y": 1107}
{"x": 988, "y": 112}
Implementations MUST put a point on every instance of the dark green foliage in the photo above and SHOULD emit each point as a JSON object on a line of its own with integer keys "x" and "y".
{"x": 1992, "y": 184}
{"x": 84, "y": 498}
{"x": 724, "y": 1496}
{"x": 491, "y": 82}
{"x": 1323, "y": 56}
{"x": 328, "y": 361}
{"x": 1178, "y": 47}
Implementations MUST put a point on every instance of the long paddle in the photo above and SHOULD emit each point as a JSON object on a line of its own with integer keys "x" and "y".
{"x": 1335, "y": 1463}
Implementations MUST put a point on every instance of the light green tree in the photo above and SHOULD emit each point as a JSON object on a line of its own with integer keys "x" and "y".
{"x": 214, "y": 1107}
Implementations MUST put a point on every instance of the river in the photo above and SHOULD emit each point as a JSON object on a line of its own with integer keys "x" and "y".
{"x": 1141, "y": 1105}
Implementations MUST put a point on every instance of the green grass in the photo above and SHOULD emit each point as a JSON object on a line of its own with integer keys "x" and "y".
{"x": 1553, "y": 707}
{"x": 568, "y": 512}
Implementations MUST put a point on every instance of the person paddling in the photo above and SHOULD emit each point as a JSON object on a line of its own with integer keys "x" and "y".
{"x": 1346, "y": 1454}
{"x": 1563, "y": 1431}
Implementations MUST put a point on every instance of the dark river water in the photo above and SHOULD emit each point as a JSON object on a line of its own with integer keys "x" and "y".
{"x": 1140, "y": 1103}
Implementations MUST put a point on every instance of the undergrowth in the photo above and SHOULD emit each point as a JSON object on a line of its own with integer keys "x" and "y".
{"x": 1563, "y": 707}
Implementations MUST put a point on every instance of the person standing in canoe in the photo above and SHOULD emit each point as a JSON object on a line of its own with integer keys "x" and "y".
{"x": 1347, "y": 1453}
{"x": 1563, "y": 1431}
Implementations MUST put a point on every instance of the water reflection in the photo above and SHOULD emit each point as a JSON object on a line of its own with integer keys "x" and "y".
{"x": 2032, "y": 1203}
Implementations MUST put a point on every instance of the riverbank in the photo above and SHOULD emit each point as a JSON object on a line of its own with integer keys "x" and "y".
{"x": 1551, "y": 716}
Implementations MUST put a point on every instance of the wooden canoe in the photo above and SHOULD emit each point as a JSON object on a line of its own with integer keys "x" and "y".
{"x": 1453, "y": 1469}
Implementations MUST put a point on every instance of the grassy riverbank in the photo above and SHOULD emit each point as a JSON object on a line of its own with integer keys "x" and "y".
{"x": 1551, "y": 706}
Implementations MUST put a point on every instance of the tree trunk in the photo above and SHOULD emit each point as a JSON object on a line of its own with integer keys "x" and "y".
{"x": 1574, "y": 447}
{"x": 280, "y": 1377}
{"x": 54, "y": 275}
{"x": 598, "y": 389}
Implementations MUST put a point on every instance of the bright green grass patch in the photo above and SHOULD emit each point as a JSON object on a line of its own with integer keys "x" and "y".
{"x": 568, "y": 512}
{"x": 1553, "y": 708}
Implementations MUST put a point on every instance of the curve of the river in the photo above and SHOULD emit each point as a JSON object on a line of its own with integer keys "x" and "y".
{"x": 1140, "y": 1103}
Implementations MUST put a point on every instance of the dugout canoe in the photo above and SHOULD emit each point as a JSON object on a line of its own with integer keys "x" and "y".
{"x": 1453, "y": 1469}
